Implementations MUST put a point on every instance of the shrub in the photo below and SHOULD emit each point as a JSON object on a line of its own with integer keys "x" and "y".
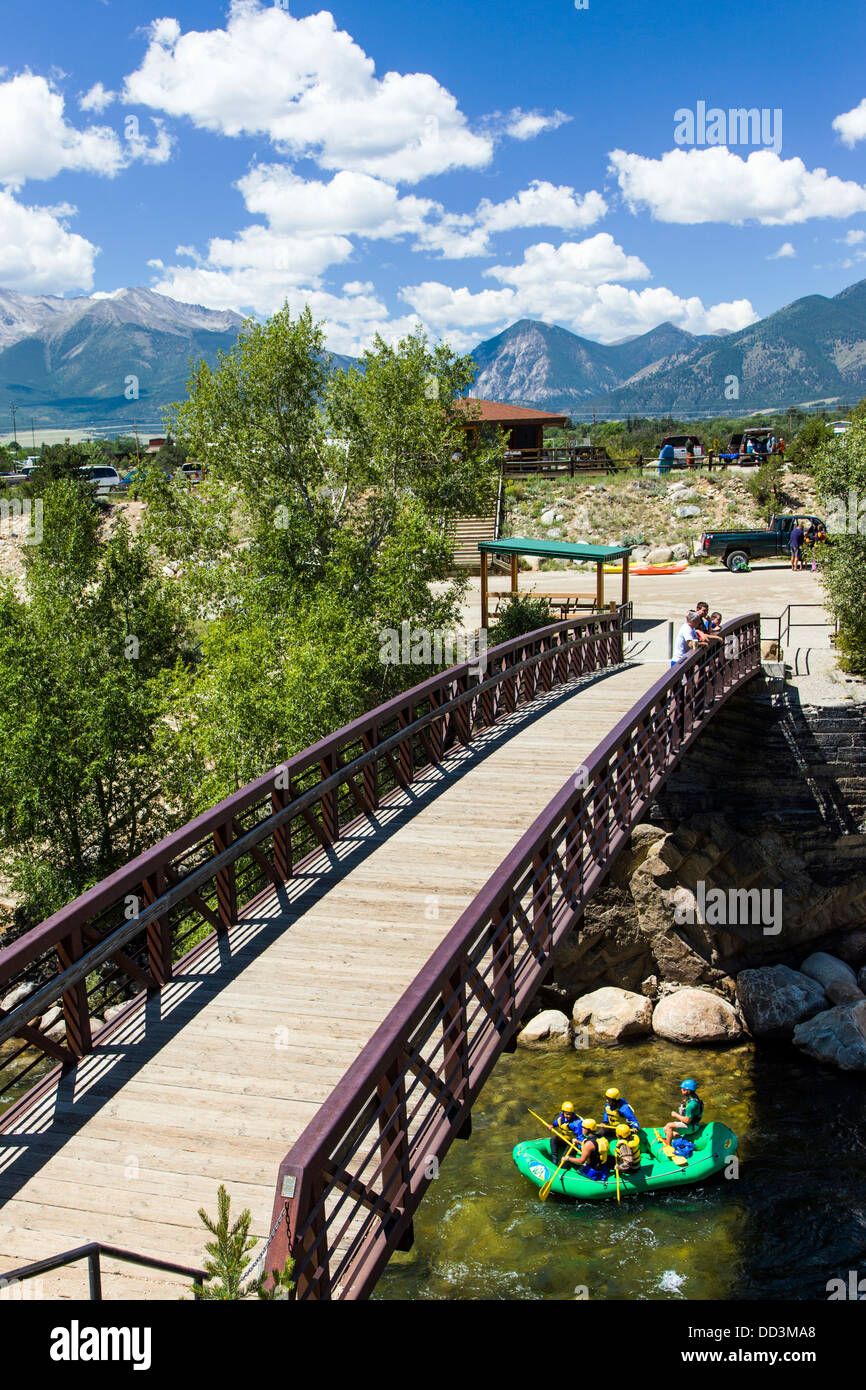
{"x": 522, "y": 613}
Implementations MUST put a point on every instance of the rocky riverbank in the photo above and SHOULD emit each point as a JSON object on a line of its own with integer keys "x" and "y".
{"x": 821, "y": 1008}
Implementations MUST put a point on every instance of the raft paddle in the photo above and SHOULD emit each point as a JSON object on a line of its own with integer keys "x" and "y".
{"x": 616, "y": 1166}
{"x": 544, "y": 1191}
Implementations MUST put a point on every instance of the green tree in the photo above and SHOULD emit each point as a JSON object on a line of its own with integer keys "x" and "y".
{"x": 814, "y": 433}
{"x": 326, "y": 517}
{"x": 171, "y": 456}
{"x": 767, "y": 484}
{"x": 83, "y": 661}
{"x": 57, "y": 462}
{"x": 840, "y": 478}
{"x": 229, "y": 1256}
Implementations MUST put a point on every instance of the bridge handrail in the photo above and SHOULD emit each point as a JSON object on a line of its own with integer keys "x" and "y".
{"x": 538, "y": 652}
{"x": 329, "y": 1165}
{"x": 92, "y": 1252}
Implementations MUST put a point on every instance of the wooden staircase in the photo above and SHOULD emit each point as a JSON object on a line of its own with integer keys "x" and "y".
{"x": 469, "y": 530}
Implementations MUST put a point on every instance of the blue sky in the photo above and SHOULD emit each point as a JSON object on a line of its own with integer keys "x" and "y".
{"x": 464, "y": 165}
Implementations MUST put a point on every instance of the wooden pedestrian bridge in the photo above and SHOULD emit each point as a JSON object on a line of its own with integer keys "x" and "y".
{"x": 318, "y": 974}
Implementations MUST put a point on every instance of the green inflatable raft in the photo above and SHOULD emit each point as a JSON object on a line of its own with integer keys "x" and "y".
{"x": 714, "y": 1145}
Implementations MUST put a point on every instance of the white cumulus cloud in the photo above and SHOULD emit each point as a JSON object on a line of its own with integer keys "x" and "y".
{"x": 543, "y": 204}
{"x": 716, "y": 185}
{"x": 526, "y": 125}
{"x": 38, "y": 253}
{"x": 97, "y": 98}
{"x": 37, "y": 141}
{"x": 785, "y": 251}
{"x": 572, "y": 284}
{"x": 851, "y": 125}
{"x": 310, "y": 89}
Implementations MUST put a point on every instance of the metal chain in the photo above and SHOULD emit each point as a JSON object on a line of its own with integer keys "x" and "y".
{"x": 257, "y": 1261}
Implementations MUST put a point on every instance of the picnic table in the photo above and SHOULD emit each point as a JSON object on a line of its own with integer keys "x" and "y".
{"x": 564, "y": 604}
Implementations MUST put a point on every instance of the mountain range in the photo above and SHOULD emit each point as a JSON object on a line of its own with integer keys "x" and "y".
{"x": 104, "y": 360}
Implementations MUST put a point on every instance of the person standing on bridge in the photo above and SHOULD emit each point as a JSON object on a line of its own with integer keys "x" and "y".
{"x": 688, "y": 637}
{"x": 705, "y": 626}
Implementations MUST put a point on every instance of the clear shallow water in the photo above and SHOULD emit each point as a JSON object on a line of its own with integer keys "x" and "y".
{"x": 794, "y": 1218}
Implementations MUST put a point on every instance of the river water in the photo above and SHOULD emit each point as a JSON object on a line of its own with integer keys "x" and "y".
{"x": 793, "y": 1218}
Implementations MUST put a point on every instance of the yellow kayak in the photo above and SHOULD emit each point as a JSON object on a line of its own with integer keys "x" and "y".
{"x": 675, "y": 567}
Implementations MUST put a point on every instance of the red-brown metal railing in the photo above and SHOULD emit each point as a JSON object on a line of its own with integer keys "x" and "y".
{"x": 354, "y": 1178}
{"x": 129, "y": 933}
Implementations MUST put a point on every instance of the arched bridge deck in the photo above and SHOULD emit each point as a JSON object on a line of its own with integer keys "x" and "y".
{"x": 279, "y": 1033}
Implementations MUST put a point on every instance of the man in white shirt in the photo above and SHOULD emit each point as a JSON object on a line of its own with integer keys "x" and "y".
{"x": 688, "y": 637}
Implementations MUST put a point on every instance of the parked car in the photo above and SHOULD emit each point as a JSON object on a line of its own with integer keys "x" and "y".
{"x": 738, "y": 548}
{"x": 192, "y": 471}
{"x": 105, "y": 478}
{"x": 737, "y": 450}
{"x": 679, "y": 444}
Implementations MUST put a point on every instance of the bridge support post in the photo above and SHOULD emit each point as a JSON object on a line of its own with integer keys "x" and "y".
{"x": 502, "y": 950}
{"x": 405, "y": 753}
{"x": 76, "y": 1012}
{"x": 330, "y": 810}
{"x": 158, "y": 932}
{"x": 542, "y": 901}
{"x": 437, "y": 730}
{"x": 370, "y": 773}
{"x": 455, "y": 1047}
{"x": 304, "y": 1234}
{"x": 226, "y": 881}
{"x": 282, "y": 835}
{"x": 394, "y": 1142}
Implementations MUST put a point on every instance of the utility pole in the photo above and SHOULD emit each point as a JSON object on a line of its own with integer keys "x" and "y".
{"x": 33, "y": 432}
{"x": 13, "y": 409}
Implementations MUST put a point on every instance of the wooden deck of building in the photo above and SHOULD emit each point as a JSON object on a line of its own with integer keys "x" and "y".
{"x": 212, "y": 1080}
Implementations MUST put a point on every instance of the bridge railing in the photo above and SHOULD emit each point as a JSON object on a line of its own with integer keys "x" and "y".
{"x": 354, "y": 1178}
{"x": 128, "y": 933}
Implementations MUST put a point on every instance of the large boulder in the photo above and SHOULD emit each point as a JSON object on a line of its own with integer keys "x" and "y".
{"x": 696, "y": 1016}
{"x": 16, "y": 996}
{"x": 852, "y": 947}
{"x": 837, "y": 1036}
{"x": 662, "y": 555}
{"x": 775, "y": 998}
{"x": 837, "y": 979}
{"x": 861, "y": 977}
{"x": 548, "y": 1030}
{"x": 613, "y": 1014}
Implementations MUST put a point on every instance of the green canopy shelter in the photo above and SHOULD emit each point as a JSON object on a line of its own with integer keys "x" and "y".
{"x": 515, "y": 546}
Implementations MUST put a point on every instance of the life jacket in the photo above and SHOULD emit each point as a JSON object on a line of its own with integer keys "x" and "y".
{"x": 700, "y": 1115}
{"x": 602, "y": 1148}
{"x": 615, "y": 1116}
{"x": 628, "y": 1153}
